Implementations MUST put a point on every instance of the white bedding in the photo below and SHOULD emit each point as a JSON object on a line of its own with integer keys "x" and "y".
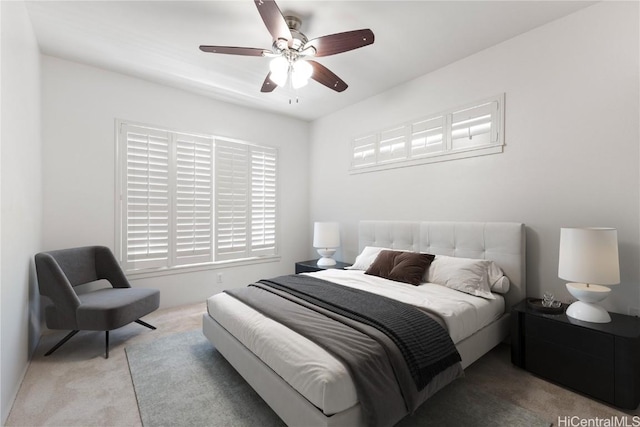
{"x": 463, "y": 314}
{"x": 313, "y": 372}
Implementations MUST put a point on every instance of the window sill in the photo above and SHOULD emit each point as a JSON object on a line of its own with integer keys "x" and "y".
{"x": 431, "y": 158}
{"x": 144, "y": 274}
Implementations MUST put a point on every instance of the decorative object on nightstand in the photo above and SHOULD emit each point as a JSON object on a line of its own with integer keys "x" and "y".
{"x": 589, "y": 256}
{"x": 539, "y": 305}
{"x": 326, "y": 239}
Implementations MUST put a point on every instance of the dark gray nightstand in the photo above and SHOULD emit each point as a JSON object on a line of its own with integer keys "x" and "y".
{"x": 312, "y": 265}
{"x": 598, "y": 359}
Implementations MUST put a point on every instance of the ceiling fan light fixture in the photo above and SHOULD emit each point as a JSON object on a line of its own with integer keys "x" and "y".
{"x": 279, "y": 65}
{"x": 303, "y": 69}
{"x": 279, "y": 79}
{"x": 279, "y": 68}
{"x": 290, "y": 46}
{"x": 301, "y": 73}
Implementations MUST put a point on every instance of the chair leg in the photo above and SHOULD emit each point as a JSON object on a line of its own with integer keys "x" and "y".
{"x": 106, "y": 339}
{"x": 62, "y": 341}
{"x": 143, "y": 323}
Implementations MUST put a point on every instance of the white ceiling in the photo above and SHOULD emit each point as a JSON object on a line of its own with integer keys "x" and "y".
{"x": 158, "y": 41}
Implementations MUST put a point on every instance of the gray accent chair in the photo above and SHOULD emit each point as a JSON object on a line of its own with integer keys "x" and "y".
{"x": 59, "y": 272}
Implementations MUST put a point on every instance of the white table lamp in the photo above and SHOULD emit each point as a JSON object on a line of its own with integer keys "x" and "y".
{"x": 589, "y": 256}
{"x": 326, "y": 238}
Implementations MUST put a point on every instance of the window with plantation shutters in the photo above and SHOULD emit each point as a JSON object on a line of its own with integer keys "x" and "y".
{"x": 472, "y": 127}
{"x": 193, "y": 203}
{"x": 146, "y": 222}
{"x": 232, "y": 200}
{"x": 191, "y": 200}
{"x": 263, "y": 200}
{"x": 393, "y": 144}
{"x": 363, "y": 151}
{"x": 245, "y": 200}
{"x": 470, "y": 130}
{"x": 427, "y": 136}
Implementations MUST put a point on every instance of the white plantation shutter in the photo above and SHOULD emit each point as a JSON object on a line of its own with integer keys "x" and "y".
{"x": 193, "y": 203}
{"x": 187, "y": 199}
{"x": 246, "y": 187}
{"x": 263, "y": 201}
{"x": 146, "y": 225}
{"x": 364, "y": 151}
{"x": 427, "y": 136}
{"x": 232, "y": 200}
{"x": 393, "y": 144}
{"x": 474, "y": 126}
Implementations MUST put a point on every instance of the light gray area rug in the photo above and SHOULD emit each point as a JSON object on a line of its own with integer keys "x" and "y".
{"x": 182, "y": 380}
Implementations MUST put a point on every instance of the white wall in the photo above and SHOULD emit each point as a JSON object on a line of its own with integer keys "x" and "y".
{"x": 572, "y": 153}
{"x": 80, "y": 104}
{"x": 20, "y": 197}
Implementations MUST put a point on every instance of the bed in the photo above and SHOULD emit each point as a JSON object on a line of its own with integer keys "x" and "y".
{"x": 309, "y": 387}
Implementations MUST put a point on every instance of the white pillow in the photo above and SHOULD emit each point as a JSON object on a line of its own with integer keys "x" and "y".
{"x": 498, "y": 282}
{"x": 462, "y": 274}
{"x": 501, "y": 285}
{"x": 366, "y": 258}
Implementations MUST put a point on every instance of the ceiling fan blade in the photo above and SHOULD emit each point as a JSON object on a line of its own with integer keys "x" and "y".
{"x": 341, "y": 42}
{"x": 232, "y": 50}
{"x": 268, "y": 85}
{"x": 274, "y": 20}
{"x": 323, "y": 75}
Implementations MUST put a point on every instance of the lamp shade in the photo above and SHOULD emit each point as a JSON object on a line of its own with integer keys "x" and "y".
{"x": 589, "y": 255}
{"x": 326, "y": 235}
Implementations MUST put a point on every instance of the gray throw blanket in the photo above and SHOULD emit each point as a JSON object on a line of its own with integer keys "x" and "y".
{"x": 386, "y": 386}
{"x": 425, "y": 345}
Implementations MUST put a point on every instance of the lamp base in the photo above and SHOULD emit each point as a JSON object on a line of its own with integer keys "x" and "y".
{"x": 326, "y": 262}
{"x": 588, "y": 312}
{"x": 587, "y": 309}
{"x": 326, "y": 254}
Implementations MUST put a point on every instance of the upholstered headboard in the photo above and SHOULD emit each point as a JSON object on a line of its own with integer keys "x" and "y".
{"x": 502, "y": 242}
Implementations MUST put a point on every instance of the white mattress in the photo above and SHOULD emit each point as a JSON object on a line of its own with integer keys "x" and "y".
{"x": 313, "y": 372}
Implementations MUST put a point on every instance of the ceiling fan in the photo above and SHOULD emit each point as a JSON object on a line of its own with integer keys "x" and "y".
{"x": 292, "y": 51}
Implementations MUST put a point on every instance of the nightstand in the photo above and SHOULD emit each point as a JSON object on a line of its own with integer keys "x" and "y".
{"x": 312, "y": 265}
{"x": 601, "y": 360}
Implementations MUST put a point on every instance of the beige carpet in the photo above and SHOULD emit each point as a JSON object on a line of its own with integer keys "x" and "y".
{"x": 76, "y": 386}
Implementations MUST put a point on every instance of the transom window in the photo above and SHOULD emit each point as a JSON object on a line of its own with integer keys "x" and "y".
{"x": 186, "y": 199}
{"x": 471, "y": 130}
